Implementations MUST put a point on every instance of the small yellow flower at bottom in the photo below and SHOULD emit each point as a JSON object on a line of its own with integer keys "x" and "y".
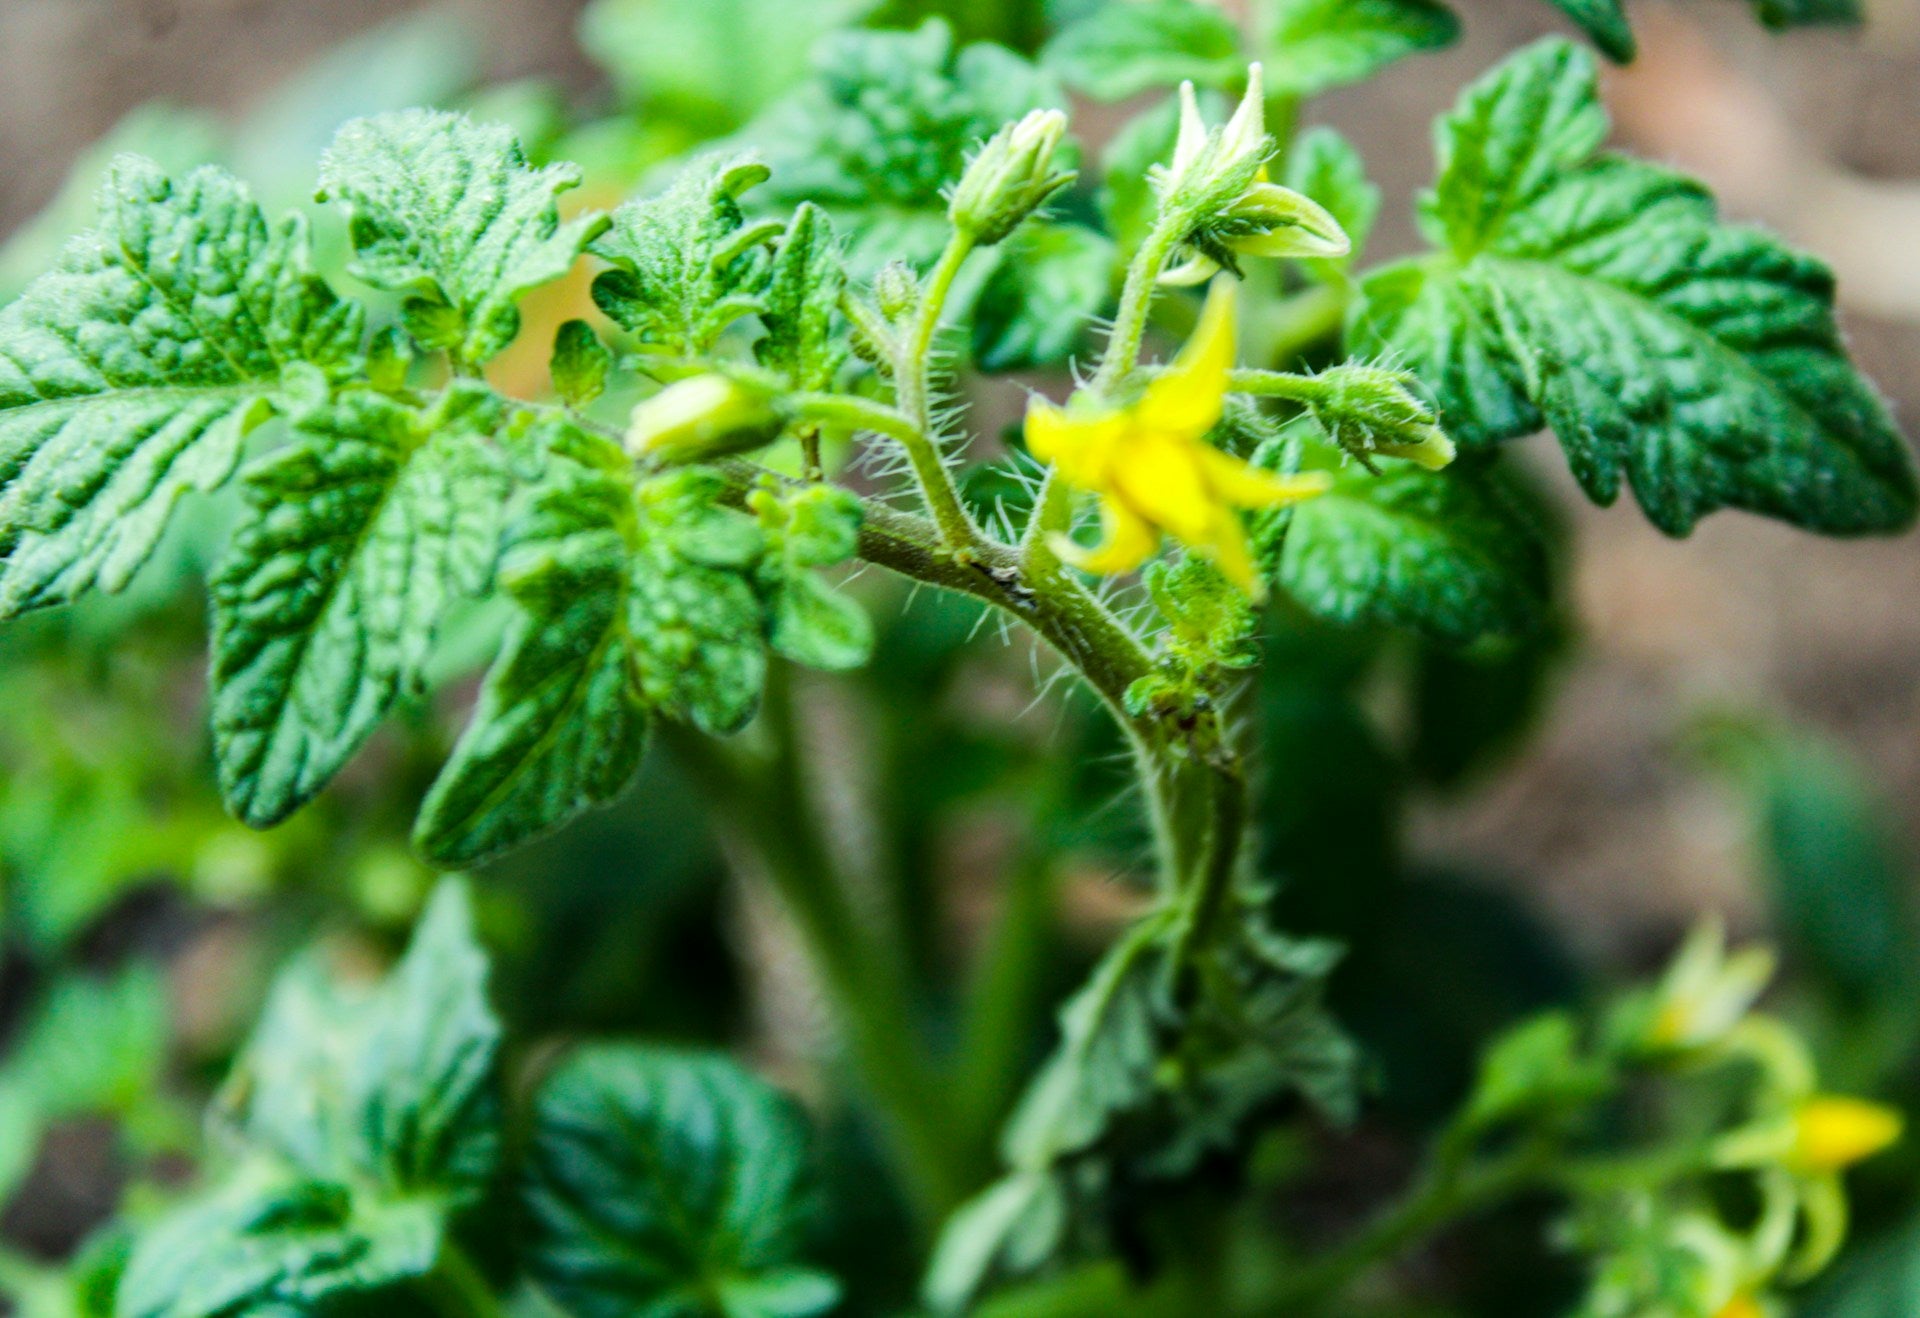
{"x": 1743, "y": 1305}
{"x": 1832, "y": 1132}
{"x": 1153, "y": 469}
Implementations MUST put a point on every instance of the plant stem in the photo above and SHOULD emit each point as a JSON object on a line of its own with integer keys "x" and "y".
{"x": 768, "y": 806}
{"x": 913, "y": 385}
{"x": 1445, "y": 1194}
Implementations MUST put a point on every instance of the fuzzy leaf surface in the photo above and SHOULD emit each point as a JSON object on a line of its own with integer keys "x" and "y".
{"x": 131, "y": 373}
{"x": 687, "y": 263}
{"x": 631, "y": 599}
{"x": 360, "y": 535}
{"x": 1603, "y": 297}
{"x": 1444, "y": 553}
{"x": 449, "y": 212}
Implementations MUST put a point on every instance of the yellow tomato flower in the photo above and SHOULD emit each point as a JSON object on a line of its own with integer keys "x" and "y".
{"x": 1153, "y": 469}
{"x": 1831, "y": 1132}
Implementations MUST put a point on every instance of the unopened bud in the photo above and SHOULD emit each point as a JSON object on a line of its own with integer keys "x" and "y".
{"x": 707, "y": 416}
{"x": 896, "y": 291}
{"x": 1370, "y": 412}
{"x": 1010, "y": 178}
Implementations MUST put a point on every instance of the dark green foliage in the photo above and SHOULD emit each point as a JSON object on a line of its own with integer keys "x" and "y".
{"x": 665, "y": 1184}
{"x": 1602, "y": 297}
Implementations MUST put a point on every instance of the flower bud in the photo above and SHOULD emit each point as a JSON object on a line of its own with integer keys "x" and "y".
{"x": 1370, "y": 412}
{"x": 1010, "y": 178}
{"x": 896, "y": 291}
{"x": 1832, "y": 1132}
{"x": 707, "y": 416}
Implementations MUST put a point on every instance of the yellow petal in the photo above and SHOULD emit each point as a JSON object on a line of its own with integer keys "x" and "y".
{"x": 1226, "y": 546}
{"x": 1162, "y": 480}
{"x": 1832, "y": 1132}
{"x": 1247, "y": 486}
{"x": 1196, "y": 269}
{"x": 1126, "y": 542}
{"x": 1082, "y": 447}
{"x": 1188, "y": 398}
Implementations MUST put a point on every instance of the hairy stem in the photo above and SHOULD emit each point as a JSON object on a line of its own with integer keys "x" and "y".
{"x": 766, "y": 804}
{"x": 913, "y": 384}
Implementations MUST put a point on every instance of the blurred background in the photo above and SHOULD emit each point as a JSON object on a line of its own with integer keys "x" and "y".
{"x": 1734, "y": 725}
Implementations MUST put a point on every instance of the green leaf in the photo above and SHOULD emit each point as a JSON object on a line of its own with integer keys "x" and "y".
{"x": 392, "y": 1089}
{"x": 1324, "y": 166}
{"x": 1052, "y": 282}
{"x": 630, "y": 599}
{"x": 1307, "y": 46}
{"x": 688, "y": 264}
{"x": 561, "y": 721}
{"x": 581, "y": 364}
{"x": 802, "y": 304}
{"x": 1794, "y": 13}
{"x": 715, "y": 62}
{"x": 813, "y": 527}
{"x": 1142, "y": 1088}
{"x": 667, "y": 1184}
{"x": 361, "y": 535}
{"x": 885, "y": 126}
{"x": 268, "y": 1247}
{"x": 1602, "y": 296}
{"x": 1121, "y": 49}
{"x": 449, "y": 213}
{"x": 1605, "y": 22}
{"x": 360, "y": 1120}
{"x": 130, "y": 374}
{"x": 1448, "y": 554}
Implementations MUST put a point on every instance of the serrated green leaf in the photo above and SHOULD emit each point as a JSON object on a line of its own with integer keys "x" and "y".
{"x": 1052, "y": 283}
{"x": 802, "y": 303}
{"x": 630, "y": 599}
{"x": 1324, "y": 166}
{"x": 667, "y": 1184}
{"x": 361, "y": 534}
{"x": 391, "y": 1090}
{"x": 448, "y": 212}
{"x": 1307, "y": 46}
{"x": 1603, "y": 20}
{"x": 130, "y": 374}
{"x": 581, "y": 364}
{"x": 688, "y": 264}
{"x": 561, "y": 721}
{"x": 1444, "y": 553}
{"x": 814, "y": 527}
{"x": 360, "y": 1120}
{"x": 885, "y": 127}
{"x": 1603, "y": 297}
{"x": 1121, "y": 49}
